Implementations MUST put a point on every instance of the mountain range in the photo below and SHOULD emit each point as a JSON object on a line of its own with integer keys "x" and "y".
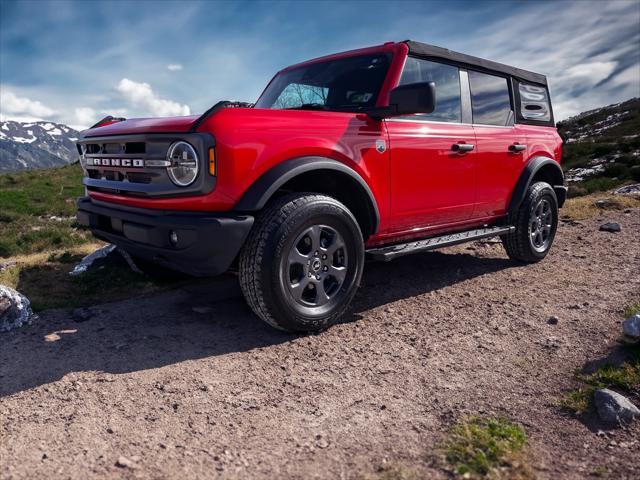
{"x": 602, "y": 147}
{"x": 26, "y": 146}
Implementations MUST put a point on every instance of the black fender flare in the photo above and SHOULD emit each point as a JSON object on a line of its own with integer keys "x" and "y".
{"x": 259, "y": 193}
{"x": 527, "y": 175}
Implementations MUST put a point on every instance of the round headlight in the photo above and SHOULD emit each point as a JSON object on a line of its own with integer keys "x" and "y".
{"x": 184, "y": 163}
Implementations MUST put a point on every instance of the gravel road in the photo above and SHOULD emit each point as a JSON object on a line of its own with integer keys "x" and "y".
{"x": 150, "y": 388}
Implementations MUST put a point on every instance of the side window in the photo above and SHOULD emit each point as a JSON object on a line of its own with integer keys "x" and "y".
{"x": 447, "y": 80}
{"x": 490, "y": 101}
{"x": 534, "y": 103}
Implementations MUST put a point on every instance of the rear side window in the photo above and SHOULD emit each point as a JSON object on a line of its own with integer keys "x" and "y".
{"x": 447, "y": 80}
{"x": 534, "y": 102}
{"x": 490, "y": 101}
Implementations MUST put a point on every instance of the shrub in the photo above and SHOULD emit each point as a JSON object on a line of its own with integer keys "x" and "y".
{"x": 478, "y": 446}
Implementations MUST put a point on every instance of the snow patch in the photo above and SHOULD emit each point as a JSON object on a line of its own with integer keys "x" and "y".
{"x": 24, "y": 140}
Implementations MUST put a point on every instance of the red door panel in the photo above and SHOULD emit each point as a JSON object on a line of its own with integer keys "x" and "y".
{"x": 430, "y": 184}
{"x": 498, "y": 167}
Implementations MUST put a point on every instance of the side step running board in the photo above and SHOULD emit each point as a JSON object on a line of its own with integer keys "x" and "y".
{"x": 389, "y": 253}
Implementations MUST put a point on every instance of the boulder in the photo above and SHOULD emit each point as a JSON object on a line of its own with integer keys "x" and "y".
{"x": 610, "y": 227}
{"x": 628, "y": 190}
{"x": 99, "y": 256}
{"x": 631, "y": 326}
{"x": 614, "y": 408}
{"x": 15, "y": 309}
{"x": 87, "y": 261}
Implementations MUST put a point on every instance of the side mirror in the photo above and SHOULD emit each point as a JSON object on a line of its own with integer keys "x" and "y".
{"x": 408, "y": 99}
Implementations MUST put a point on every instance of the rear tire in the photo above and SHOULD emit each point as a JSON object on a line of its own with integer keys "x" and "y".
{"x": 536, "y": 223}
{"x": 302, "y": 263}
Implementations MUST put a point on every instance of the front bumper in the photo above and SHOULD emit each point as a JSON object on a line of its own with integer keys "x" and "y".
{"x": 206, "y": 243}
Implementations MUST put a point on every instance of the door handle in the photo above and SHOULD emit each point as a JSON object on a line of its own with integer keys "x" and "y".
{"x": 517, "y": 147}
{"x": 462, "y": 147}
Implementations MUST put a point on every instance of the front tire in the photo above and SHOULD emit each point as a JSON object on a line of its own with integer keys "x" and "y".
{"x": 302, "y": 263}
{"x": 535, "y": 224}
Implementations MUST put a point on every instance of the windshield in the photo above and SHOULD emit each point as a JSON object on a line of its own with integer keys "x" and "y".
{"x": 346, "y": 84}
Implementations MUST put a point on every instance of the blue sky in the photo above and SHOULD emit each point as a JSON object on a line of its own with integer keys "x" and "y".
{"x": 75, "y": 62}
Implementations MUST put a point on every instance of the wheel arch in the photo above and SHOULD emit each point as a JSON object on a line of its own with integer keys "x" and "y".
{"x": 543, "y": 169}
{"x": 318, "y": 175}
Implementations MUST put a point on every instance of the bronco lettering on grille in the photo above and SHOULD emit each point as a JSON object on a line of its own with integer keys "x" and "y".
{"x": 116, "y": 162}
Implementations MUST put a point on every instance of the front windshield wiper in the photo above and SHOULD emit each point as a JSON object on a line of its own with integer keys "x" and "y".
{"x": 320, "y": 106}
{"x": 309, "y": 106}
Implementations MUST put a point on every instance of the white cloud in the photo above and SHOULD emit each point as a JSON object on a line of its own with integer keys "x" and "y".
{"x": 147, "y": 101}
{"x": 174, "y": 67}
{"x": 590, "y": 73}
{"x": 14, "y": 107}
{"x": 629, "y": 77}
{"x": 85, "y": 116}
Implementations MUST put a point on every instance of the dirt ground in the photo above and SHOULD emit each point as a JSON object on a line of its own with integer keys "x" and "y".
{"x": 432, "y": 339}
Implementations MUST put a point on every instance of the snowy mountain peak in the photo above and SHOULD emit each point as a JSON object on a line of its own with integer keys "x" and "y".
{"x": 29, "y": 145}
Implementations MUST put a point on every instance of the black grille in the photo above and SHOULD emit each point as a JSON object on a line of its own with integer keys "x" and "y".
{"x": 115, "y": 148}
{"x": 133, "y": 177}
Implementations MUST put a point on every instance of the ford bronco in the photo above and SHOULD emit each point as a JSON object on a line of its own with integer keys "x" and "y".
{"x": 372, "y": 153}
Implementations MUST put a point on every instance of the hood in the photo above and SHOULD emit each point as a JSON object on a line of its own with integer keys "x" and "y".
{"x": 144, "y": 125}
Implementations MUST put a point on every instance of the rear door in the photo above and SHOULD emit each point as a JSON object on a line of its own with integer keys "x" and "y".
{"x": 433, "y": 157}
{"x": 501, "y": 145}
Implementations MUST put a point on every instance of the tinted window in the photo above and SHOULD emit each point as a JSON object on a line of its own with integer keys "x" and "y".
{"x": 490, "y": 100}
{"x": 344, "y": 84}
{"x": 447, "y": 80}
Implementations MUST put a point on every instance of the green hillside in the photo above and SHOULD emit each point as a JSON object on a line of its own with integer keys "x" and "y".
{"x": 602, "y": 148}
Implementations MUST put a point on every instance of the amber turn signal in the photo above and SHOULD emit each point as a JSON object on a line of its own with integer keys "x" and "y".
{"x": 212, "y": 161}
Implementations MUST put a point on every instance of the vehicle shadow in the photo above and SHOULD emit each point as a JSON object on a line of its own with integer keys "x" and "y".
{"x": 164, "y": 329}
{"x": 417, "y": 274}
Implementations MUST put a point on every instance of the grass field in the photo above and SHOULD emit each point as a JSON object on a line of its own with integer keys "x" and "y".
{"x": 37, "y": 211}
{"x": 40, "y": 239}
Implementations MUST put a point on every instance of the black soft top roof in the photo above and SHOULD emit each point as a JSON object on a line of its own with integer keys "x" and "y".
{"x": 426, "y": 50}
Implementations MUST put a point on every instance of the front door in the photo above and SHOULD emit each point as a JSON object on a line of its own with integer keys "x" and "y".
{"x": 433, "y": 156}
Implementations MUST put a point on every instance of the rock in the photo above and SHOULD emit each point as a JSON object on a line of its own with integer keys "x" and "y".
{"x": 87, "y": 261}
{"x": 81, "y": 314}
{"x": 15, "y": 309}
{"x": 631, "y": 326}
{"x": 610, "y": 227}
{"x": 124, "y": 462}
{"x": 5, "y": 265}
{"x": 321, "y": 442}
{"x": 628, "y": 190}
{"x": 614, "y": 408}
{"x": 553, "y": 320}
{"x": 605, "y": 203}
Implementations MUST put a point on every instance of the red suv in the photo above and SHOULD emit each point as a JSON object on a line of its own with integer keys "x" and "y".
{"x": 378, "y": 152}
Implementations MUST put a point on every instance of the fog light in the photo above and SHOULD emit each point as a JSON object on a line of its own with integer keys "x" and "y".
{"x": 173, "y": 237}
